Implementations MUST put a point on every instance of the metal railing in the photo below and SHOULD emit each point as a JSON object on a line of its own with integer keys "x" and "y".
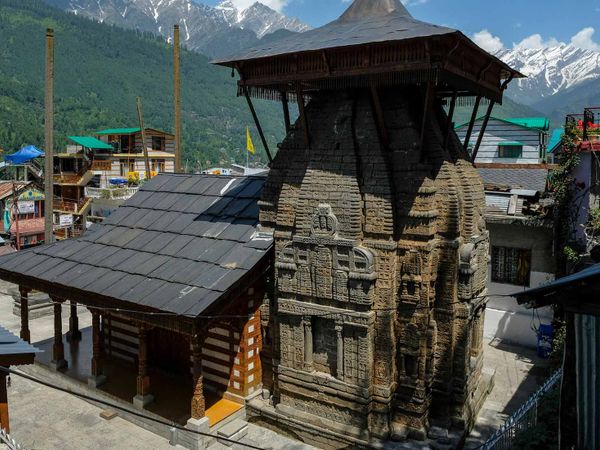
{"x": 111, "y": 193}
{"x": 10, "y": 442}
{"x": 523, "y": 419}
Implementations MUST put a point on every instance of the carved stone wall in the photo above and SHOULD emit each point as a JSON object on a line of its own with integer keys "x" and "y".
{"x": 381, "y": 255}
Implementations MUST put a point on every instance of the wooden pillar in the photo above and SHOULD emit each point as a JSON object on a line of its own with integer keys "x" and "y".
{"x": 58, "y": 349}
{"x": 25, "y": 333}
{"x": 97, "y": 378}
{"x": 4, "y": 423}
{"x": 143, "y": 396}
{"x": 177, "y": 98}
{"x": 74, "y": 334}
{"x": 198, "y": 402}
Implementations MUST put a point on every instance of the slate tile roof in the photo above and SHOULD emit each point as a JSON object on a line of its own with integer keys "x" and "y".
{"x": 13, "y": 345}
{"x": 531, "y": 179}
{"x": 178, "y": 245}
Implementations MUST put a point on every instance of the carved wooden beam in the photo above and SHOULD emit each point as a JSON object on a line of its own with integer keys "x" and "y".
{"x": 482, "y": 130}
{"x": 449, "y": 121}
{"x": 303, "y": 117}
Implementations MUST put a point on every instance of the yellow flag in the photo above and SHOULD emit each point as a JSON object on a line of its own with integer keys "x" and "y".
{"x": 249, "y": 144}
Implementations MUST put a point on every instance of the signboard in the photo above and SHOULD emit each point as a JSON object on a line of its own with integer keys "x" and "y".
{"x": 31, "y": 194}
{"x": 26, "y": 207}
{"x": 65, "y": 220}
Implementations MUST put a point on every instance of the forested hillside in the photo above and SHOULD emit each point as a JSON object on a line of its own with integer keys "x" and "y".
{"x": 100, "y": 69}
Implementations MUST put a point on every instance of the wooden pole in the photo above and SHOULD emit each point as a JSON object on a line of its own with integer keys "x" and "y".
{"x": 257, "y": 123}
{"x": 449, "y": 121}
{"x": 286, "y": 111}
{"x": 16, "y": 214}
{"x": 4, "y": 423}
{"x": 49, "y": 139}
{"x": 143, "y": 131}
{"x": 482, "y": 130}
{"x": 472, "y": 122}
{"x": 303, "y": 118}
{"x": 177, "y": 97}
{"x": 25, "y": 332}
{"x": 428, "y": 102}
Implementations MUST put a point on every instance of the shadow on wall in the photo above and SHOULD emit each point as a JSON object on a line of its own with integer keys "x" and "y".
{"x": 514, "y": 328}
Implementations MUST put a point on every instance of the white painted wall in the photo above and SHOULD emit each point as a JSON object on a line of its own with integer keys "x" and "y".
{"x": 499, "y": 131}
{"x": 505, "y": 320}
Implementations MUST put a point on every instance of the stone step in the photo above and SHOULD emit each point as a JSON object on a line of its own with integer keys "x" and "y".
{"x": 234, "y": 430}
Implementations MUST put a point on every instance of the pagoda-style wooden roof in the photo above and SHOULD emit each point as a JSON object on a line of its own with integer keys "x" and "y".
{"x": 373, "y": 42}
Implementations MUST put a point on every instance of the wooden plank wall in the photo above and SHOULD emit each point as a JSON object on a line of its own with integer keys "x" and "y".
{"x": 498, "y": 131}
{"x": 230, "y": 355}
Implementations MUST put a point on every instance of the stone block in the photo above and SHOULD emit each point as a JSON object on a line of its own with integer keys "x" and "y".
{"x": 233, "y": 431}
{"x": 141, "y": 401}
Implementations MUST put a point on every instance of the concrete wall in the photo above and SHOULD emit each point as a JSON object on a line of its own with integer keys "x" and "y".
{"x": 499, "y": 131}
{"x": 505, "y": 319}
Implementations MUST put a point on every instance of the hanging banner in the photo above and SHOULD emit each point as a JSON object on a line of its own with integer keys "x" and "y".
{"x": 65, "y": 220}
{"x": 26, "y": 207}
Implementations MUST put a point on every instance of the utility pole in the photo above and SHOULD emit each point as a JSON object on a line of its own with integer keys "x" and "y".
{"x": 16, "y": 214}
{"x": 143, "y": 130}
{"x": 49, "y": 140}
{"x": 177, "y": 97}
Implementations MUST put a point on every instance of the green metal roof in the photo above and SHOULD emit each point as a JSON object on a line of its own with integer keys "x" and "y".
{"x": 535, "y": 123}
{"x": 555, "y": 139}
{"x": 118, "y": 131}
{"x": 90, "y": 142}
{"x": 510, "y": 144}
{"x": 540, "y": 123}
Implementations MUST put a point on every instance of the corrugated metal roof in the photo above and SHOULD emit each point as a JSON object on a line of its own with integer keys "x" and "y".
{"x": 555, "y": 139}
{"x": 90, "y": 142}
{"x": 590, "y": 275}
{"x": 13, "y": 345}
{"x": 530, "y": 179}
{"x": 540, "y": 123}
{"x": 178, "y": 245}
{"x": 118, "y": 131}
{"x": 535, "y": 123}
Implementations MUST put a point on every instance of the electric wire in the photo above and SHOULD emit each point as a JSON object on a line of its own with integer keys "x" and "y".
{"x": 120, "y": 408}
{"x": 248, "y": 316}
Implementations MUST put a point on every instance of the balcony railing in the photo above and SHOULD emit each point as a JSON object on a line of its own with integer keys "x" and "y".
{"x": 74, "y": 178}
{"x": 111, "y": 193}
{"x": 73, "y": 231}
{"x": 104, "y": 166}
{"x": 72, "y": 206}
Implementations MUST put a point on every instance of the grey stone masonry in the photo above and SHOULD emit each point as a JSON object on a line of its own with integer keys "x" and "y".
{"x": 375, "y": 325}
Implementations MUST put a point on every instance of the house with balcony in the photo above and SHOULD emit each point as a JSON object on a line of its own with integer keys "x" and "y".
{"x": 95, "y": 175}
{"x": 23, "y": 208}
{"x": 127, "y": 157}
{"x": 519, "y": 140}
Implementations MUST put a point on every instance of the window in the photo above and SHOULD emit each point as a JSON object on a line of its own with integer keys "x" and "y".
{"x": 126, "y": 167}
{"x": 158, "y": 165}
{"x": 511, "y": 265}
{"x": 510, "y": 150}
{"x": 158, "y": 143}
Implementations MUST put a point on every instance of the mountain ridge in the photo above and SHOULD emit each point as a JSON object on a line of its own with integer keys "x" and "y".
{"x": 212, "y": 31}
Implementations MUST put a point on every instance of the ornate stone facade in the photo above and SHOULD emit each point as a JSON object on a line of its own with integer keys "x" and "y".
{"x": 374, "y": 331}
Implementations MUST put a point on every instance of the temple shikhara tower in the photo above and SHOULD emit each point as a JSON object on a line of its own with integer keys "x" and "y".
{"x": 374, "y": 328}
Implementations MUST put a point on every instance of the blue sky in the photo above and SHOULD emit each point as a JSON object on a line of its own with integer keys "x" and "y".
{"x": 532, "y": 23}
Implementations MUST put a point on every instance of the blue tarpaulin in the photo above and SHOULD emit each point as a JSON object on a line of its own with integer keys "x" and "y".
{"x": 25, "y": 154}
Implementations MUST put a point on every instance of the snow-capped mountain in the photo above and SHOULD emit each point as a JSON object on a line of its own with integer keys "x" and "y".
{"x": 259, "y": 18}
{"x": 214, "y": 31}
{"x": 550, "y": 71}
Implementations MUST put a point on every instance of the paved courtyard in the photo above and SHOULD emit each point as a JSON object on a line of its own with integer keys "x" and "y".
{"x": 42, "y": 418}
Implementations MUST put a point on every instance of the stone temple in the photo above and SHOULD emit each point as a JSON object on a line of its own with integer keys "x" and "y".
{"x": 374, "y": 328}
